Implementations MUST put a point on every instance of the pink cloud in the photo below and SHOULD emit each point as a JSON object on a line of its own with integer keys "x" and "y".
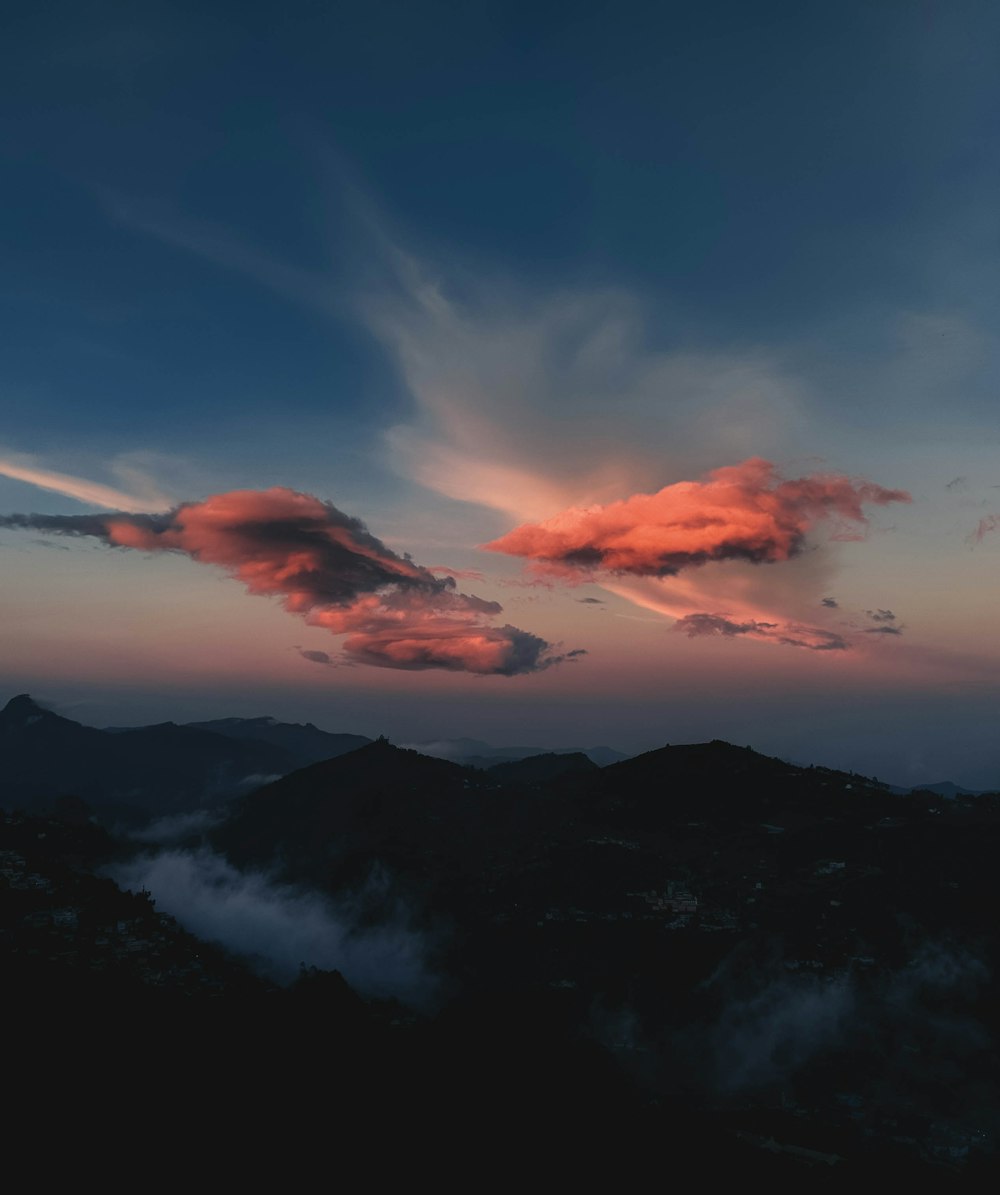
{"x": 986, "y": 525}
{"x": 743, "y": 512}
{"x": 330, "y": 570}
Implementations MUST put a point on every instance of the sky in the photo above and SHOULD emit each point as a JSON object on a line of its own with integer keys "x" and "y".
{"x": 553, "y": 375}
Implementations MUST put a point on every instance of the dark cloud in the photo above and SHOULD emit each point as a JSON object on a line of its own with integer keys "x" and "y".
{"x": 694, "y": 625}
{"x": 788, "y": 635}
{"x": 815, "y": 639}
{"x": 957, "y": 483}
{"x": 79, "y": 525}
{"x": 590, "y": 601}
{"x": 330, "y": 570}
{"x": 830, "y": 603}
{"x": 884, "y": 631}
{"x": 317, "y": 657}
{"x": 881, "y": 615}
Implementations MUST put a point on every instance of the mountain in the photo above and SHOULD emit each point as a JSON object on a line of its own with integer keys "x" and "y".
{"x": 943, "y": 788}
{"x": 586, "y": 881}
{"x": 948, "y": 788}
{"x": 474, "y": 753}
{"x": 74, "y": 931}
{"x": 722, "y": 953}
{"x": 602, "y": 756}
{"x": 329, "y": 822}
{"x": 142, "y": 772}
{"x": 538, "y": 769}
{"x": 132, "y": 774}
{"x": 535, "y": 834}
{"x": 304, "y": 743}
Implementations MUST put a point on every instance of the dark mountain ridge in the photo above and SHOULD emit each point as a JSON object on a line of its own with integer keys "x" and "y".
{"x": 537, "y": 769}
{"x": 745, "y": 957}
{"x": 703, "y": 910}
{"x": 329, "y": 821}
{"x": 423, "y": 816}
{"x": 131, "y": 774}
{"x": 477, "y": 754}
{"x": 304, "y": 742}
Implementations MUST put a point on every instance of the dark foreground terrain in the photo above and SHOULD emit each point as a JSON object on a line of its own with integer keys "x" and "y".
{"x": 700, "y": 961}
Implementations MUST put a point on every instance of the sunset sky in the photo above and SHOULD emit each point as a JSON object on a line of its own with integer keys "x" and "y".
{"x": 549, "y": 374}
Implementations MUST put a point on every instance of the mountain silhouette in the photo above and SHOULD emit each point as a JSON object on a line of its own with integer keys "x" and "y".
{"x": 474, "y": 753}
{"x": 132, "y": 774}
{"x": 719, "y": 950}
{"x": 304, "y": 743}
{"x": 327, "y": 822}
{"x": 537, "y": 769}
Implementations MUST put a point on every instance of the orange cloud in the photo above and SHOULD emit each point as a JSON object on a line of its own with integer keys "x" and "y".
{"x": 329, "y": 569}
{"x": 743, "y": 512}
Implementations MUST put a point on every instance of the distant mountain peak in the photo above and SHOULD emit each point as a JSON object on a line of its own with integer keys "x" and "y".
{"x": 303, "y": 743}
{"x": 381, "y": 745}
{"x": 21, "y": 707}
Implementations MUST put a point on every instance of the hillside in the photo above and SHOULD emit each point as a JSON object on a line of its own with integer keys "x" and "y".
{"x": 132, "y": 774}
{"x": 785, "y": 965}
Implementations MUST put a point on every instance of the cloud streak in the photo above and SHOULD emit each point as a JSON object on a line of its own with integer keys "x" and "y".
{"x": 788, "y": 634}
{"x": 987, "y": 524}
{"x": 81, "y": 490}
{"x": 327, "y": 568}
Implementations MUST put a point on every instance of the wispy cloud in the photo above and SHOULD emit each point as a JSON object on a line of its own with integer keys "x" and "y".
{"x": 787, "y": 634}
{"x": 530, "y": 403}
{"x": 987, "y": 524}
{"x": 304, "y": 287}
{"x": 522, "y": 402}
{"x": 145, "y": 496}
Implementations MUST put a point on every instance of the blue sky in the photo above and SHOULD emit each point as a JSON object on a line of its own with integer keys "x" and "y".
{"x": 457, "y": 267}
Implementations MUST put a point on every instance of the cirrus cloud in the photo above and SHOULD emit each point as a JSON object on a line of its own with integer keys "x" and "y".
{"x": 986, "y": 525}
